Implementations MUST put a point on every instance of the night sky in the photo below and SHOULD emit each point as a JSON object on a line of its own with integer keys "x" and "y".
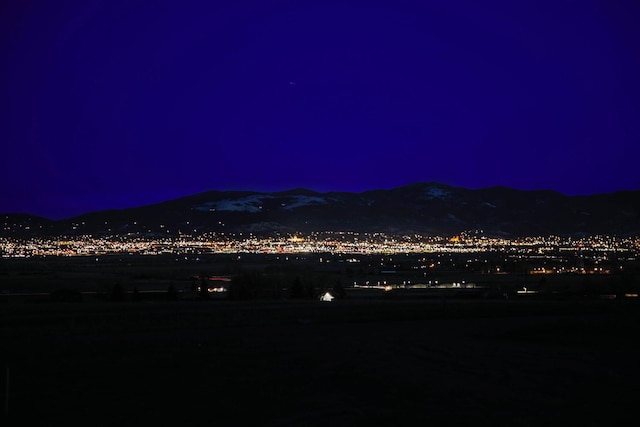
{"x": 114, "y": 104}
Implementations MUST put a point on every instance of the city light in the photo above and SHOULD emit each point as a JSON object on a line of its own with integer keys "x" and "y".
{"x": 544, "y": 255}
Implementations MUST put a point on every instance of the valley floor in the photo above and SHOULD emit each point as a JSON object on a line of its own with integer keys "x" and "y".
{"x": 308, "y": 363}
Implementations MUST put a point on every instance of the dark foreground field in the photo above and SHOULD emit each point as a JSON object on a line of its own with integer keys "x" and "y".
{"x": 292, "y": 363}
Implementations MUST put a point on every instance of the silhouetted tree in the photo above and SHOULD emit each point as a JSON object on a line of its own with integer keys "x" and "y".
{"x": 338, "y": 290}
{"x": 172, "y": 293}
{"x": 204, "y": 288}
{"x": 297, "y": 289}
{"x": 117, "y": 293}
{"x": 245, "y": 286}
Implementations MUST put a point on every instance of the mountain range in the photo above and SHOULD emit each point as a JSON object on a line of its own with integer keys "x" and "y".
{"x": 421, "y": 208}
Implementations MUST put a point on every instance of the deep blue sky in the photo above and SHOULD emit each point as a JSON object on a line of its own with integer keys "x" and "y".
{"x": 111, "y": 104}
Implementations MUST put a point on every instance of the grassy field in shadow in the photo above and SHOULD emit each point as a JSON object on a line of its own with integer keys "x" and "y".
{"x": 309, "y": 363}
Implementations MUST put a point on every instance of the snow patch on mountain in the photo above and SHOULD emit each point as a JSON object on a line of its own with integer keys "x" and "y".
{"x": 299, "y": 201}
{"x": 454, "y": 218}
{"x": 255, "y": 203}
{"x": 251, "y": 204}
{"x": 434, "y": 192}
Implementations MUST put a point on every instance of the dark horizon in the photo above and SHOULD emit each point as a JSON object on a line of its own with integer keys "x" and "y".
{"x": 153, "y": 201}
{"x": 285, "y": 190}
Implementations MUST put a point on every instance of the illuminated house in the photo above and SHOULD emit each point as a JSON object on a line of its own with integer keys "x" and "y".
{"x": 326, "y": 297}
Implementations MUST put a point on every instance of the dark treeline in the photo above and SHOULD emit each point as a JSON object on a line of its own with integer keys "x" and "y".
{"x": 309, "y": 276}
{"x": 268, "y": 284}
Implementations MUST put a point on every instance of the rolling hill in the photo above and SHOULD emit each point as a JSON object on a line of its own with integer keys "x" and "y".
{"x": 424, "y": 208}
